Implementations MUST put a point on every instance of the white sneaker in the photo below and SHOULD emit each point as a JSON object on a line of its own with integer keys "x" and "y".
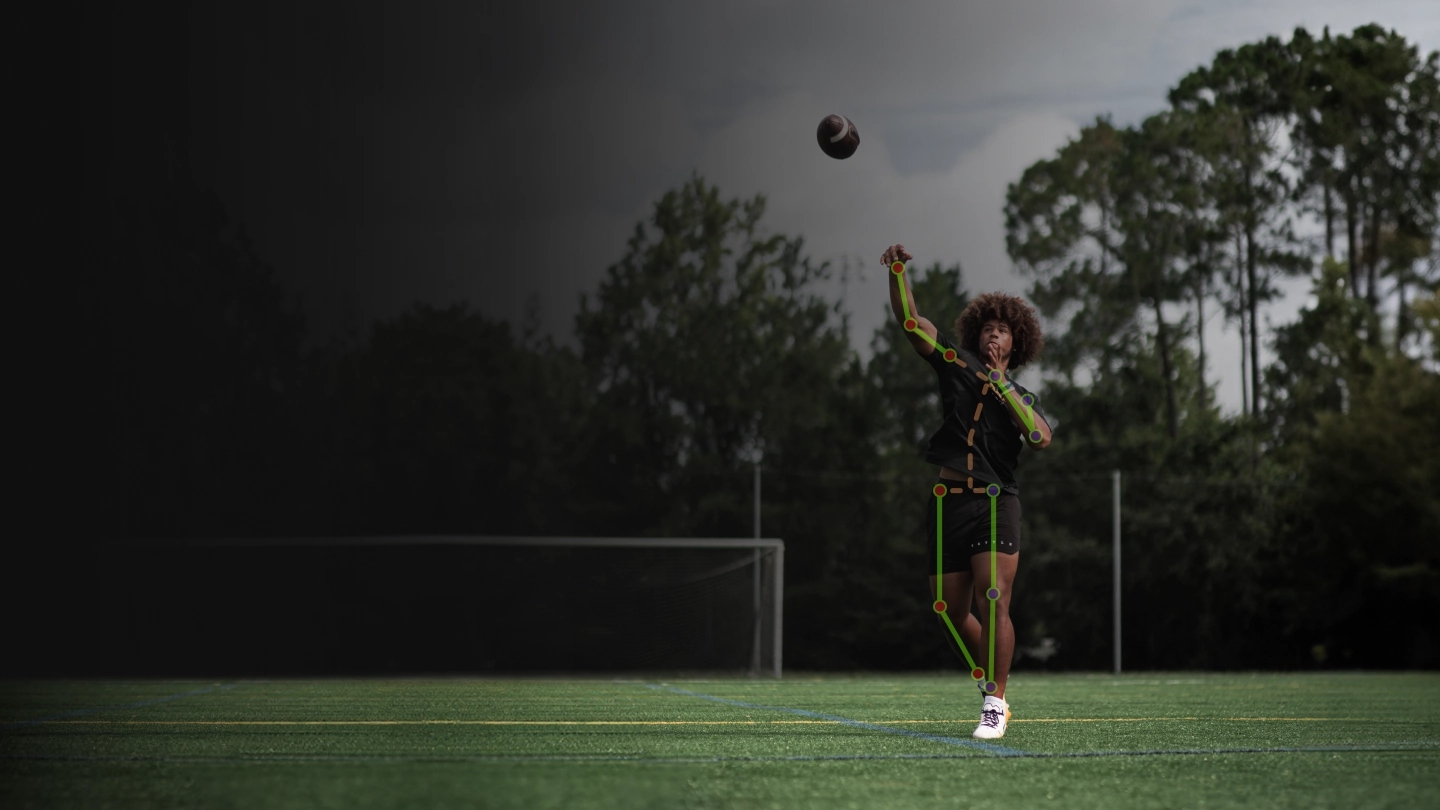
{"x": 994, "y": 716}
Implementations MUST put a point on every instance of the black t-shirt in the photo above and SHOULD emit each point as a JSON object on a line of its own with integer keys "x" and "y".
{"x": 986, "y": 448}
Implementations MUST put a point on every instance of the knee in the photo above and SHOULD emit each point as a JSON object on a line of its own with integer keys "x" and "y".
{"x": 999, "y": 596}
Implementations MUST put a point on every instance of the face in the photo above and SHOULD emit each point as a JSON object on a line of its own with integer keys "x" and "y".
{"x": 996, "y": 333}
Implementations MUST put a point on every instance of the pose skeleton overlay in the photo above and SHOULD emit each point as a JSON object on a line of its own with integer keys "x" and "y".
{"x": 973, "y": 515}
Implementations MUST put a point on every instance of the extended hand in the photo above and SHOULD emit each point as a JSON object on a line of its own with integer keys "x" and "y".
{"x": 895, "y": 253}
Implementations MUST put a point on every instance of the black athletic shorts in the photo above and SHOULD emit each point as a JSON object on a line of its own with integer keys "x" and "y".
{"x": 966, "y": 517}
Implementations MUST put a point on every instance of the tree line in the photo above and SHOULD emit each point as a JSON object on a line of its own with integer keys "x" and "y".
{"x": 1304, "y": 531}
{"x": 1318, "y": 158}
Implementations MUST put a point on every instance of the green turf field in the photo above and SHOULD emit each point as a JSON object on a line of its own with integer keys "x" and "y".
{"x": 1171, "y": 740}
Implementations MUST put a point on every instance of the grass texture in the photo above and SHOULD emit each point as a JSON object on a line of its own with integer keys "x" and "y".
{"x": 1349, "y": 740}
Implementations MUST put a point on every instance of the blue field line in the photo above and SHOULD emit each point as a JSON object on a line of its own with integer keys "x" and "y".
{"x": 97, "y": 709}
{"x": 997, "y": 750}
{"x": 640, "y": 759}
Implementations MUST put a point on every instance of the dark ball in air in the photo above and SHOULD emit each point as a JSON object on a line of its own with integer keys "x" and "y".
{"x": 837, "y": 136}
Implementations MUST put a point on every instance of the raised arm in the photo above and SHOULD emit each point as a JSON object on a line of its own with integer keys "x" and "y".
{"x": 902, "y": 302}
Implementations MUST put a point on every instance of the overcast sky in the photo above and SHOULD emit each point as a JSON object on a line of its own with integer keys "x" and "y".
{"x": 382, "y": 156}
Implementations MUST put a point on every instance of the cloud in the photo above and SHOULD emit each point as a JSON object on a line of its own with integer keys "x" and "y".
{"x": 508, "y": 151}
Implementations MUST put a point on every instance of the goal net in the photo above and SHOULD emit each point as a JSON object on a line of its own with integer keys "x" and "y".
{"x": 629, "y": 604}
{"x": 447, "y": 604}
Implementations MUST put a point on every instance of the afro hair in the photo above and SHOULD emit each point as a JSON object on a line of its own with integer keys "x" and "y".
{"x": 1018, "y": 315}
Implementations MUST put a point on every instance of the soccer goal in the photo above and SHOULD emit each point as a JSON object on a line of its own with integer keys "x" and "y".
{"x": 676, "y": 603}
{"x": 372, "y": 605}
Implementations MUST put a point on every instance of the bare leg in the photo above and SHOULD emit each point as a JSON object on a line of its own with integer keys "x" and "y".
{"x": 998, "y": 670}
{"x": 957, "y": 600}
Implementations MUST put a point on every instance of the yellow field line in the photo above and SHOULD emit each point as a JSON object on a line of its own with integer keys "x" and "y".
{"x": 681, "y": 722}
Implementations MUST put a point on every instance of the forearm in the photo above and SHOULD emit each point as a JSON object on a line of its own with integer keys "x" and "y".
{"x": 901, "y": 298}
{"x": 1032, "y": 425}
{"x": 920, "y": 332}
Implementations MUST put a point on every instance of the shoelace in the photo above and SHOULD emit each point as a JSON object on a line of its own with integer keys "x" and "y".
{"x": 990, "y": 717}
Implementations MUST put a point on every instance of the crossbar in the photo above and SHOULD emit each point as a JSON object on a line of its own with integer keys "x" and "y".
{"x": 777, "y": 546}
{"x": 480, "y": 540}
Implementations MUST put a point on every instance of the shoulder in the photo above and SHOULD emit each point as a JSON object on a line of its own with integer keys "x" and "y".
{"x": 961, "y": 357}
{"x": 939, "y": 359}
{"x": 955, "y": 360}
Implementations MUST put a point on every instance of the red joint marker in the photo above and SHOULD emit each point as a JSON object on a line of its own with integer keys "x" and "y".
{"x": 978, "y": 674}
{"x": 939, "y": 605}
{"x": 939, "y": 490}
{"x": 910, "y": 324}
{"x": 897, "y": 268}
{"x": 949, "y": 355}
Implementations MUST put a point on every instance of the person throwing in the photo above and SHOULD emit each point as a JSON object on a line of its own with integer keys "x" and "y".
{"x": 987, "y": 418}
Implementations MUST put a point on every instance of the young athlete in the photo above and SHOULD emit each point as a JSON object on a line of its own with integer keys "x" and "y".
{"x": 977, "y": 446}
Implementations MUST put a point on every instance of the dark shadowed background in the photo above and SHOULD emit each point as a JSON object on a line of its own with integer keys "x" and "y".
{"x": 340, "y": 252}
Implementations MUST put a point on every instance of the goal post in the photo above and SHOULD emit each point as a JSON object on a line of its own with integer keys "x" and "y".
{"x": 760, "y": 548}
{"x": 562, "y": 603}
